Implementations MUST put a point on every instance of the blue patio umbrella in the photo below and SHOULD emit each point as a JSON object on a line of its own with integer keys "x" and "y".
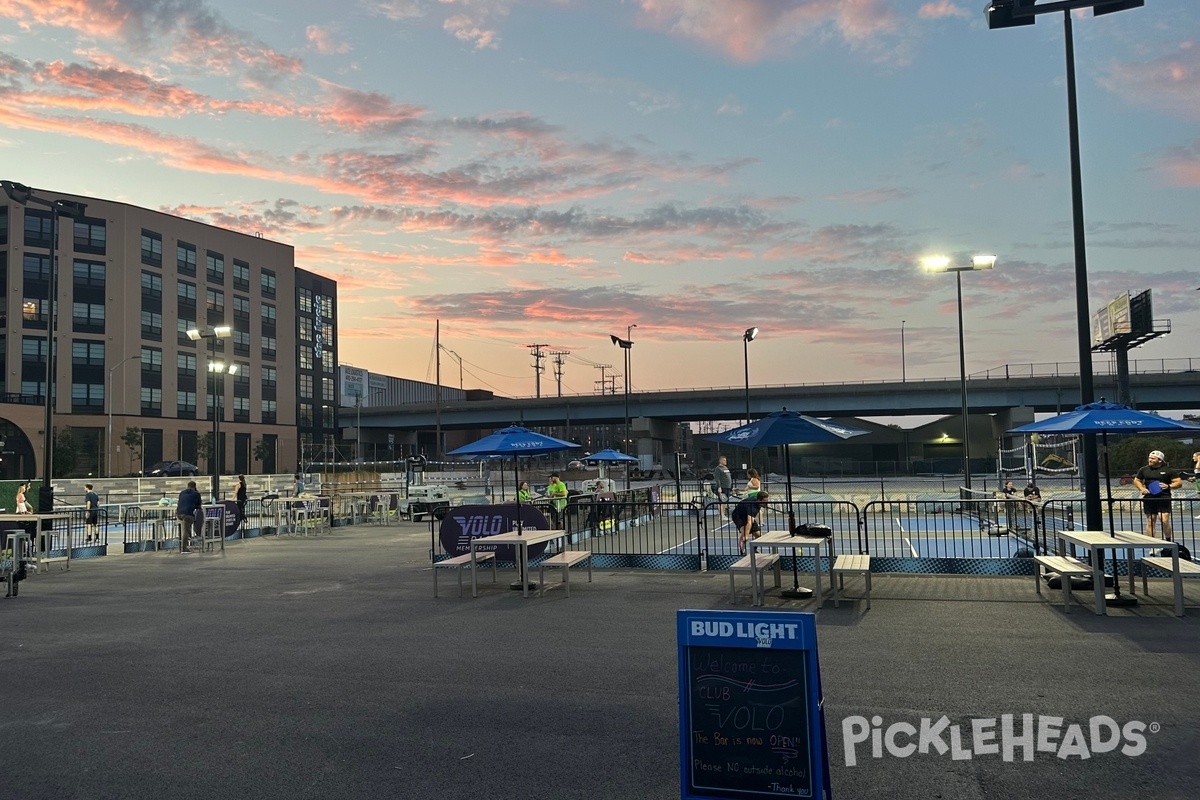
{"x": 1103, "y": 417}
{"x": 514, "y": 441}
{"x": 609, "y": 455}
{"x": 781, "y": 428}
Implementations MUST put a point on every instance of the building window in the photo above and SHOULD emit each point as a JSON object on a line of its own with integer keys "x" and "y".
{"x": 87, "y": 354}
{"x": 269, "y": 411}
{"x": 89, "y": 274}
{"x": 327, "y": 308}
{"x": 152, "y": 360}
{"x": 185, "y": 405}
{"x": 182, "y": 326}
{"x": 214, "y": 267}
{"x": 151, "y": 248}
{"x": 306, "y": 330}
{"x": 306, "y": 301}
{"x": 185, "y": 258}
{"x": 268, "y": 314}
{"x": 306, "y": 415}
{"x": 268, "y": 347}
{"x": 151, "y": 326}
{"x": 327, "y": 389}
{"x": 89, "y": 318}
{"x": 37, "y": 228}
{"x": 33, "y": 350}
{"x": 241, "y": 276}
{"x": 241, "y": 409}
{"x": 151, "y": 284}
{"x": 241, "y": 343}
{"x": 34, "y": 312}
{"x": 306, "y": 387}
{"x": 267, "y": 281}
{"x": 241, "y": 307}
{"x": 35, "y": 267}
{"x": 269, "y": 377}
{"x": 327, "y": 360}
{"x": 306, "y": 359}
{"x": 215, "y": 301}
{"x": 90, "y": 236}
{"x": 187, "y": 364}
{"x": 186, "y": 292}
{"x": 152, "y": 401}
{"x": 34, "y": 389}
{"x": 87, "y": 397}
{"x": 327, "y": 416}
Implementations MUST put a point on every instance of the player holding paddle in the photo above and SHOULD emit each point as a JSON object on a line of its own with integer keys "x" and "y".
{"x": 1155, "y": 482}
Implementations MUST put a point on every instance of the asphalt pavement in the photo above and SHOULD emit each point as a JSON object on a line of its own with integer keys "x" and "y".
{"x": 323, "y": 667}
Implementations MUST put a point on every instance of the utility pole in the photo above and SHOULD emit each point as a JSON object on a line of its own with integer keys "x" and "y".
{"x": 538, "y": 355}
{"x": 603, "y": 382}
{"x": 558, "y": 367}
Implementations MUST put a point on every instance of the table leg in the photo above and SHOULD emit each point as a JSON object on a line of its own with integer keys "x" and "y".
{"x": 1129, "y": 569}
{"x": 1097, "y": 579}
{"x": 1177, "y": 579}
{"x": 755, "y": 598}
{"x": 818, "y": 586}
{"x": 524, "y": 569}
{"x": 474, "y": 569}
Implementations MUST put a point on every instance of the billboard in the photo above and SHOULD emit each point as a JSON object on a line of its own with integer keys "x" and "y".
{"x": 1111, "y": 321}
{"x": 353, "y": 386}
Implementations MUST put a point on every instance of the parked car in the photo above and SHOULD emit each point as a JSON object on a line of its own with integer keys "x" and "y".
{"x": 172, "y": 469}
{"x": 576, "y": 465}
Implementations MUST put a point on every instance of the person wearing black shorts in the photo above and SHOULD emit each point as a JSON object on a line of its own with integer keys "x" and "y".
{"x": 91, "y": 504}
{"x": 744, "y": 516}
{"x": 1155, "y": 483}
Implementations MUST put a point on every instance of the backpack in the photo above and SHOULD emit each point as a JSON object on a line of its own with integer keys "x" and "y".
{"x": 1184, "y": 553}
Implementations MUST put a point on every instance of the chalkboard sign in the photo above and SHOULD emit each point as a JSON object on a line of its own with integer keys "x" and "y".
{"x": 752, "y": 722}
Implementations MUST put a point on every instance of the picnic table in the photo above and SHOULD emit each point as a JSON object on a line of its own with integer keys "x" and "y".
{"x": 1096, "y": 542}
{"x": 777, "y": 540}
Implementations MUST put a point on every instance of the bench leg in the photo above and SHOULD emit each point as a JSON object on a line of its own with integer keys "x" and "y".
{"x": 567, "y": 579}
{"x": 589, "y": 569}
{"x": 867, "y": 575}
{"x": 1145, "y": 583}
{"x": 732, "y": 589}
{"x": 542, "y": 579}
{"x": 778, "y": 575}
{"x": 837, "y": 590}
{"x": 435, "y": 571}
{"x": 1037, "y": 577}
{"x": 1066, "y": 584}
{"x": 494, "y": 575}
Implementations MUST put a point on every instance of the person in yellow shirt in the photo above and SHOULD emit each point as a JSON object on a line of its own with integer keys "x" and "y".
{"x": 556, "y": 490}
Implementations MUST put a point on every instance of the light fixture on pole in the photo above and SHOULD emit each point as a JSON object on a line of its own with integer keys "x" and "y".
{"x": 1014, "y": 13}
{"x": 215, "y": 368}
{"x": 108, "y": 399}
{"x": 626, "y": 346}
{"x": 942, "y": 264}
{"x": 24, "y": 195}
{"x": 747, "y": 338}
{"x": 903, "y": 371}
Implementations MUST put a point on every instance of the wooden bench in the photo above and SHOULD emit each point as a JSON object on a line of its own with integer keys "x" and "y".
{"x": 1164, "y": 563}
{"x": 460, "y": 563}
{"x": 855, "y": 565}
{"x": 566, "y": 559}
{"x": 761, "y": 562}
{"x": 1066, "y": 568}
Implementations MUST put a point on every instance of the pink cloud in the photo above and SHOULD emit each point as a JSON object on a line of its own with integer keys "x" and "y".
{"x": 1181, "y": 165}
{"x": 323, "y": 41}
{"x": 941, "y": 9}
{"x": 751, "y": 30}
{"x": 1170, "y": 83}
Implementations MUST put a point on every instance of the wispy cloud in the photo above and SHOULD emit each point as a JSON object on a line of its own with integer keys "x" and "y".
{"x": 325, "y": 41}
{"x": 1170, "y": 82}
{"x": 941, "y": 10}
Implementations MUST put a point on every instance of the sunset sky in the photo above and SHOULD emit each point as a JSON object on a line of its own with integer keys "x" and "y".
{"x": 553, "y": 171}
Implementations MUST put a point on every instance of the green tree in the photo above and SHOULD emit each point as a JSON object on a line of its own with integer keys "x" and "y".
{"x": 1129, "y": 455}
{"x": 133, "y": 440}
{"x": 204, "y": 448}
{"x": 66, "y": 452}
{"x": 263, "y": 450}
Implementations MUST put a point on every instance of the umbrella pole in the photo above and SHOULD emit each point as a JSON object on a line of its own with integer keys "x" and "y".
{"x": 522, "y": 578}
{"x": 1116, "y": 598}
{"x": 796, "y": 592}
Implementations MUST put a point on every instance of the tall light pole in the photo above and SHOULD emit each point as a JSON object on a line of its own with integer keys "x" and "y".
{"x": 626, "y": 346}
{"x": 24, "y": 195}
{"x": 108, "y": 398}
{"x": 942, "y": 264}
{"x": 1014, "y": 13}
{"x": 215, "y": 368}
{"x": 747, "y": 338}
{"x": 903, "y": 370}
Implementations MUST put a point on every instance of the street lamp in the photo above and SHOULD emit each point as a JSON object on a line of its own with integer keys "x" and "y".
{"x": 1014, "y": 13}
{"x": 626, "y": 345}
{"x": 215, "y": 368}
{"x": 903, "y": 372}
{"x": 24, "y": 195}
{"x": 942, "y": 264}
{"x": 108, "y": 398}
{"x": 747, "y": 338}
